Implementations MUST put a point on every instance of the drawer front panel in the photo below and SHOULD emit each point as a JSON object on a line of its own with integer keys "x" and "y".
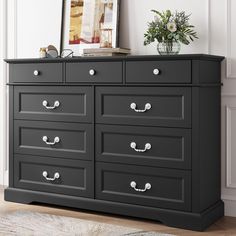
{"x": 54, "y": 139}
{"x": 144, "y": 106}
{"x": 36, "y": 73}
{"x": 71, "y": 177}
{"x": 158, "y": 71}
{"x": 159, "y": 187}
{"x": 69, "y": 104}
{"x": 94, "y": 72}
{"x": 163, "y": 147}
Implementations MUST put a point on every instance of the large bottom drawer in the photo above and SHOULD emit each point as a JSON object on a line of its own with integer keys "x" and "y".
{"x": 70, "y": 177}
{"x": 148, "y": 186}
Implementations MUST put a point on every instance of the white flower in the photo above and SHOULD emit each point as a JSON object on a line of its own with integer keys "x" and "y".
{"x": 171, "y": 26}
{"x": 156, "y": 19}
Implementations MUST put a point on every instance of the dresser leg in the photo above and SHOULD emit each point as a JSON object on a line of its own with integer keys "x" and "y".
{"x": 11, "y": 195}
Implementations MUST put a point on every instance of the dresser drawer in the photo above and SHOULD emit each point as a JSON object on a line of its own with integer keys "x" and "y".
{"x": 161, "y": 147}
{"x": 158, "y": 71}
{"x": 69, "y": 177}
{"x": 154, "y": 106}
{"x": 69, "y": 104}
{"x": 94, "y": 72}
{"x": 36, "y": 73}
{"x": 66, "y": 140}
{"x": 159, "y": 187}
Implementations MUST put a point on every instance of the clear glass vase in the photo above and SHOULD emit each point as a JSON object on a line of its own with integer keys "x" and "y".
{"x": 168, "y": 48}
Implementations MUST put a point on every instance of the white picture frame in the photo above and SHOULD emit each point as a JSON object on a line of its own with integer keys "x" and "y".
{"x": 89, "y": 15}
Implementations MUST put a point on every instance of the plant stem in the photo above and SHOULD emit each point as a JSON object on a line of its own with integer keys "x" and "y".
{"x": 169, "y": 47}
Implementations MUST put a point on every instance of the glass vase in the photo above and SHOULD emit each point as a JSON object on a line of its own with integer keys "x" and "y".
{"x": 168, "y": 48}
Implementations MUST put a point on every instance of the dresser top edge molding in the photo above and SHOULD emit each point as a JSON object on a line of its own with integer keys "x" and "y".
{"x": 206, "y": 57}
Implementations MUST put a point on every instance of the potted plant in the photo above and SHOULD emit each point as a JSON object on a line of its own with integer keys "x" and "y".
{"x": 169, "y": 30}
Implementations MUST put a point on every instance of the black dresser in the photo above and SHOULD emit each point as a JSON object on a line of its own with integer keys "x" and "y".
{"x": 136, "y": 136}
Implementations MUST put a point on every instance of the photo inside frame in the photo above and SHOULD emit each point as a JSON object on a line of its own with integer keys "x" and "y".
{"x": 91, "y": 21}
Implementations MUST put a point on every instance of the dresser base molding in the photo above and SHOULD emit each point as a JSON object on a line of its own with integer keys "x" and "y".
{"x": 172, "y": 218}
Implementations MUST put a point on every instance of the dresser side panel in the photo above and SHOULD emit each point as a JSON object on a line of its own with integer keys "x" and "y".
{"x": 206, "y": 147}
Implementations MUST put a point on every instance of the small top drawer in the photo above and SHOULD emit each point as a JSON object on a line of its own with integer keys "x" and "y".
{"x": 158, "y": 71}
{"x": 36, "y": 73}
{"x": 96, "y": 72}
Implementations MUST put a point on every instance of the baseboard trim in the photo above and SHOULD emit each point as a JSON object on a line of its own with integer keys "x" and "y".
{"x": 2, "y": 187}
{"x": 230, "y": 207}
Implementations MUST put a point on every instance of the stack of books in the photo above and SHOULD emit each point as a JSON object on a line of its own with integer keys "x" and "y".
{"x": 103, "y": 52}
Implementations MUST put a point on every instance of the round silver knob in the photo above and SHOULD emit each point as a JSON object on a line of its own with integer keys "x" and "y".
{"x": 148, "y": 106}
{"x": 92, "y": 72}
{"x": 57, "y": 176}
{"x": 133, "y": 184}
{"x": 148, "y": 146}
{"x": 133, "y": 145}
{"x": 57, "y": 140}
{"x": 148, "y": 186}
{"x": 45, "y": 138}
{"x": 45, "y": 103}
{"x": 56, "y": 103}
{"x": 45, "y": 174}
{"x": 156, "y": 72}
{"x": 133, "y": 105}
{"x": 36, "y": 72}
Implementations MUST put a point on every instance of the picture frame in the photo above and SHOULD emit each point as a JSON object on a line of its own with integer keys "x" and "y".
{"x": 89, "y": 24}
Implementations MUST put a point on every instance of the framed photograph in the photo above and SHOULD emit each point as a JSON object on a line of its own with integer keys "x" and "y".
{"x": 89, "y": 24}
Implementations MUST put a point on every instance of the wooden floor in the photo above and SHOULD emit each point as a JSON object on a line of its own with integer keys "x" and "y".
{"x": 225, "y": 226}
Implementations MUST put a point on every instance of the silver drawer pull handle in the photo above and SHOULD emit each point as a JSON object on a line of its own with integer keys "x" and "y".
{"x": 133, "y": 106}
{"x": 92, "y": 72}
{"x": 156, "y": 71}
{"x": 36, "y": 73}
{"x": 56, "y": 176}
{"x": 147, "y": 187}
{"x": 148, "y": 146}
{"x": 56, "y": 104}
{"x": 56, "y": 140}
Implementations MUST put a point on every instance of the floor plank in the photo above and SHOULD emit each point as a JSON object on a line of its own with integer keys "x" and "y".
{"x": 224, "y": 227}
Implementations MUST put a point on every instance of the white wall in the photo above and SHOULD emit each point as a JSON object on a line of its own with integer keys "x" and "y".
{"x": 38, "y": 25}
{"x": 3, "y": 95}
{"x": 135, "y": 15}
{"x": 216, "y": 27}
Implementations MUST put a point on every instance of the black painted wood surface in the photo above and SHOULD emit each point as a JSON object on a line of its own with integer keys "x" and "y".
{"x": 104, "y": 72}
{"x": 75, "y": 139}
{"x": 76, "y": 177}
{"x": 170, "y": 188}
{"x": 168, "y": 71}
{"x": 169, "y": 147}
{"x": 46, "y": 73}
{"x": 170, "y": 107}
{"x": 75, "y": 103}
{"x": 96, "y": 126}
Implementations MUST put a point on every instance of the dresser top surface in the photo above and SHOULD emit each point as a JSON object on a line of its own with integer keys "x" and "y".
{"x": 119, "y": 58}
